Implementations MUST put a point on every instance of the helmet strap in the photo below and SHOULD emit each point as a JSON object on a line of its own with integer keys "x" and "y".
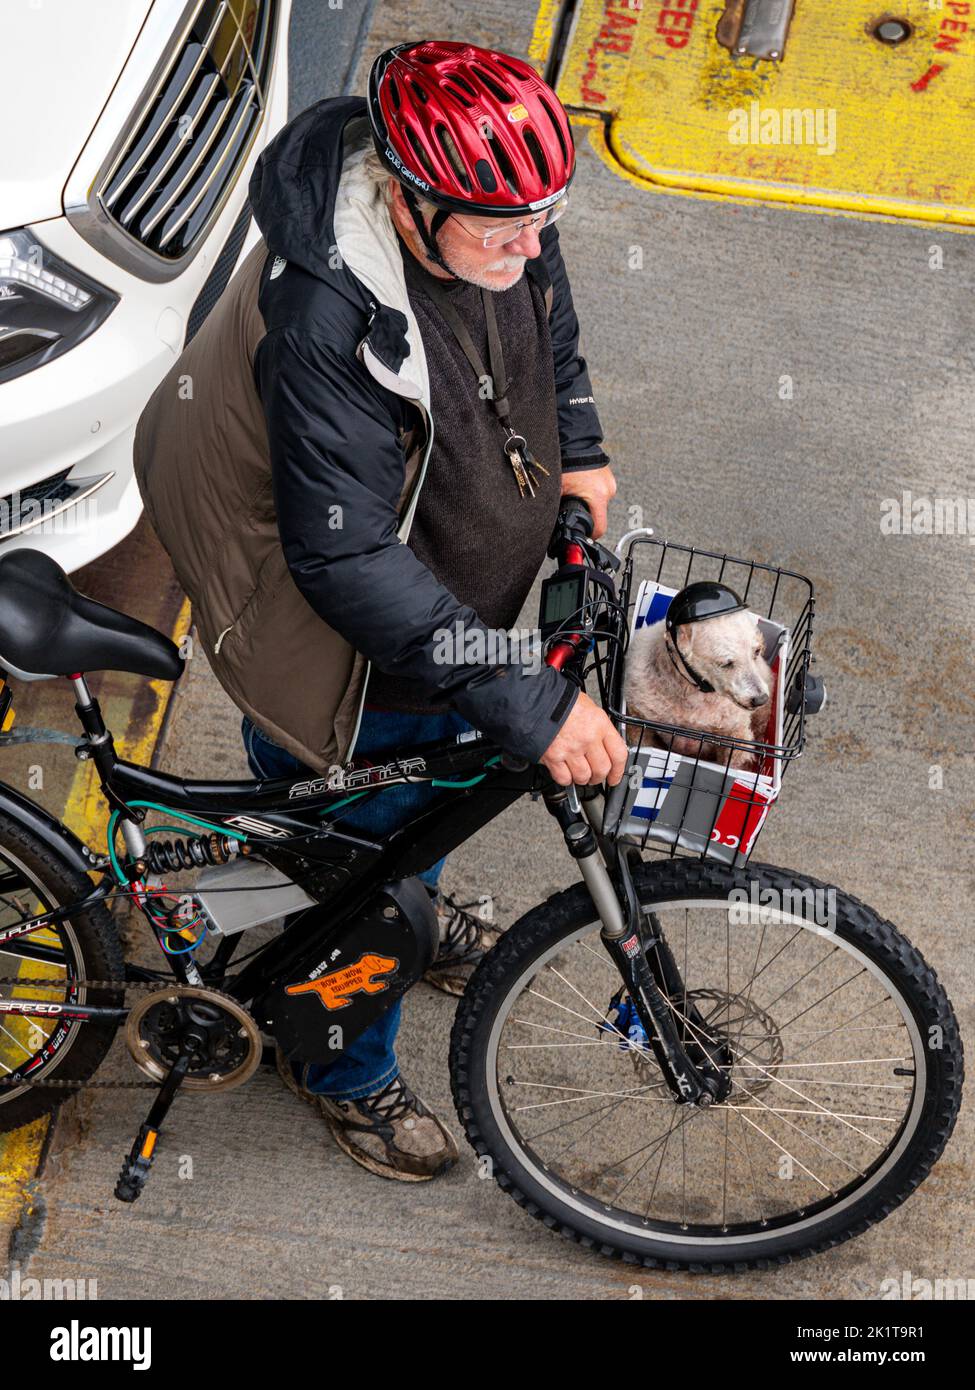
{"x": 428, "y": 237}
{"x": 688, "y": 672}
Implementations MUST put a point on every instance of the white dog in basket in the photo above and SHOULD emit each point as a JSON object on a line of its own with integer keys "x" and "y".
{"x": 703, "y": 668}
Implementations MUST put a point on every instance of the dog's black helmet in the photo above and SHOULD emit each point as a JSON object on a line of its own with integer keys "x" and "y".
{"x": 704, "y": 599}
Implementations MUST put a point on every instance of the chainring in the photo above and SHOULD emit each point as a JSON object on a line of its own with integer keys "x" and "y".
{"x": 230, "y": 1048}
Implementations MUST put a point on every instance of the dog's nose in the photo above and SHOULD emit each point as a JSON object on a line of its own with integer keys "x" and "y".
{"x": 758, "y": 701}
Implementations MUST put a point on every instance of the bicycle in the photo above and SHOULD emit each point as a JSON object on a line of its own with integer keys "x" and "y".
{"x": 680, "y": 1061}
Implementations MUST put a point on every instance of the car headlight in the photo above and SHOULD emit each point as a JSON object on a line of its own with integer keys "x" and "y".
{"x": 46, "y": 306}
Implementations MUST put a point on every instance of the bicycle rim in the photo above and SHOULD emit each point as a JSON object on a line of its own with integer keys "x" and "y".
{"x": 783, "y": 1148}
{"x": 31, "y": 1047}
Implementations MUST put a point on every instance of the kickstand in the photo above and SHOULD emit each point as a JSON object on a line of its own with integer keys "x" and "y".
{"x": 135, "y": 1168}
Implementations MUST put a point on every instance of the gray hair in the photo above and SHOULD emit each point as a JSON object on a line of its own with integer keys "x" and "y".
{"x": 375, "y": 170}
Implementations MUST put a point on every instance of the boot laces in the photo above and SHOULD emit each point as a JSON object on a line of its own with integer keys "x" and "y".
{"x": 463, "y": 933}
{"x": 393, "y": 1102}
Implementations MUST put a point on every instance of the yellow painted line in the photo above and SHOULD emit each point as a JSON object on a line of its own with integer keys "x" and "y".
{"x": 896, "y": 125}
{"x": 543, "y": 32}
{"x": 19, "y": 1153}
{"x": 86, "y": 813}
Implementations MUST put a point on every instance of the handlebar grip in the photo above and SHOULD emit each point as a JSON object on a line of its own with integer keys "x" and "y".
{"x": 574, "y": 524}
{"x": 576, "y": 512}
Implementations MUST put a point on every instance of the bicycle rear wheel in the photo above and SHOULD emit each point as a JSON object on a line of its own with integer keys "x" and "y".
{"x": 846, "y": 1070}
{"x": 34, "y": 879}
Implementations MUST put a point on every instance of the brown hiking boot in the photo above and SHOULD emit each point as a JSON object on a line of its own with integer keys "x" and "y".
{"x": 465, "y": 939}
{"x": 391, "y": 1132}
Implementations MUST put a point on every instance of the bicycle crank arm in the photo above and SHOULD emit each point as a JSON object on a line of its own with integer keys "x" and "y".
{"x": 135, "y": 1168}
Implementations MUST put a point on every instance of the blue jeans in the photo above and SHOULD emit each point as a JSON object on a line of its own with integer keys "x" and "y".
{"x": 369, "y": 1062}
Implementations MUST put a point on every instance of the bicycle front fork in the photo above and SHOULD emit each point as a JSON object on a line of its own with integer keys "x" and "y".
{"x": 693, "y": 1063}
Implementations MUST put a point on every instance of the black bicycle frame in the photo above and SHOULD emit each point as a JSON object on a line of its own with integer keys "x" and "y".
{"x": 292, "y": 810}
{"x": 290, "y": 822}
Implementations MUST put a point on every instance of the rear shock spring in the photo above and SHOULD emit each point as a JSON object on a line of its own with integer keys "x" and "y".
{"x": 193, "y": 852}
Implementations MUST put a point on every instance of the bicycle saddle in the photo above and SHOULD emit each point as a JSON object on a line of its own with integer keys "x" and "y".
{"x": 48, "y": 629}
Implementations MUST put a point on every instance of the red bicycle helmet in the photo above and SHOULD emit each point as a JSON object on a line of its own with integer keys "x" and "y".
{"x": 471, "y": 129}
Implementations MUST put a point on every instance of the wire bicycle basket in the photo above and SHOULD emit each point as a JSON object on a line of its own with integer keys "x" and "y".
{"x": 690, "y": 791}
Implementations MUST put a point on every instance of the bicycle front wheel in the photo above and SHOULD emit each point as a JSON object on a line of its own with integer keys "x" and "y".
{"x": 845, "y": 1071}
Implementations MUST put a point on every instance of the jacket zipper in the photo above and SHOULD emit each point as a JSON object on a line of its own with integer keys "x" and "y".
{"x": 407, "y": 523}
{"x": 216, "y": 645}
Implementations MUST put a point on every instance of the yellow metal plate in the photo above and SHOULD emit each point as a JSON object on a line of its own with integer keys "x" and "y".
{"x": 841, "y": 122}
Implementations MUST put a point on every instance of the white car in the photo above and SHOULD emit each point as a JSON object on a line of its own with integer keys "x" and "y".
{"x": 131, "y": 131}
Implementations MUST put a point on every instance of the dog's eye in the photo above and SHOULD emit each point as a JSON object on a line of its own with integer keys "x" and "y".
{"x": 726, "y": 664}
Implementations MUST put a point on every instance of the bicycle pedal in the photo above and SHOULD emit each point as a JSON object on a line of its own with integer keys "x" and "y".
{"x": 136, "y": 1167}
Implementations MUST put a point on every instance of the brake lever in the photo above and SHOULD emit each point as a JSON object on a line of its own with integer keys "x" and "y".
{"x": 608, "y": 558}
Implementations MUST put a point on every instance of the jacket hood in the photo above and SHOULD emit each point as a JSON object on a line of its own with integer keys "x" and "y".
{"x": 316, "y": 208}
{"x": 295, "y": 183}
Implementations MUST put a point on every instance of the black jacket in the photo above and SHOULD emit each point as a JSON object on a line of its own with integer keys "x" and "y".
{"x": 341, "y": 388}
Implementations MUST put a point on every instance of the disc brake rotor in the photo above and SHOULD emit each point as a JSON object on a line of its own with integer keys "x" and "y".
{"x": 227, "y": 1041}
{"x": 752, "y": 1035}
{"x": 738, "y": 1023}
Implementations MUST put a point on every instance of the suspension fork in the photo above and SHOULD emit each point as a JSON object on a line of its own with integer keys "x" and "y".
{"x": 692, "y": 1081}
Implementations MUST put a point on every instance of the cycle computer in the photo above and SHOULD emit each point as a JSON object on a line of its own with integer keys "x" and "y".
{"x": 563, "y": 595}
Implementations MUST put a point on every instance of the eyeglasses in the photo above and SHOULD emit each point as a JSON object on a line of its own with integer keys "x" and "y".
{"x": 501, "y": 236}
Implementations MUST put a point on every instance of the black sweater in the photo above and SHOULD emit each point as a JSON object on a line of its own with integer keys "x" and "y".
{"x": 472, "y": 529}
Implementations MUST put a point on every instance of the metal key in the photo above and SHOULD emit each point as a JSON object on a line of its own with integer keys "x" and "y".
{"x": 512, "y": 449}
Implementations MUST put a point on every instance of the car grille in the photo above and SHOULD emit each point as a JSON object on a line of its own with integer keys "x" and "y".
{"x": 192, "y": 133}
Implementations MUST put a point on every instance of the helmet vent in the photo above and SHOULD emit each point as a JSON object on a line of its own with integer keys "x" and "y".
{"x": 453, "y": 157}
{"x": 446, "y": 87}
{"x": 504, "y": 164}
{"x": 419, "y": 92}
{"x": 494, "y": 87}
{"x": 462, "y": 82}
{"x": 421, "y": 155}
{"x": 485, "y": 175}
{"x": 394, "y": 92}
{"x": 556, "y": 127}
{"x": 537, "y": 154}
{"x": 521, "y": 76}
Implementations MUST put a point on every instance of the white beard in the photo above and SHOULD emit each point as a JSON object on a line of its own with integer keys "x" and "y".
{"x": 486, "y": 277}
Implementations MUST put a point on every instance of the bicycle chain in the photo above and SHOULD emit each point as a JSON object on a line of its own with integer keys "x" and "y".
{"x": 87, "y": 1085}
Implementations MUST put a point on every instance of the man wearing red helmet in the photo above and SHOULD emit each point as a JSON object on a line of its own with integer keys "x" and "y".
{"x": 385, "y": 411}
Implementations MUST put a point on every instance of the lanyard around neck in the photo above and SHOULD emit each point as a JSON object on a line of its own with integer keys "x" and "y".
{"x": 516, "y": 450}
{"x": 498, "y": 400}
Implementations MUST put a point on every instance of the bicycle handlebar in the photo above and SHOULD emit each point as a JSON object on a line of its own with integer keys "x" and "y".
{"x": 573, "y": 528}
{"x": 569, "y": 547}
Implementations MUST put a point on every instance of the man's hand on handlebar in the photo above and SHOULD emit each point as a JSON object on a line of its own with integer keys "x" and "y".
{"x": 596, "y": 487}
{"x": 587, "y": 749}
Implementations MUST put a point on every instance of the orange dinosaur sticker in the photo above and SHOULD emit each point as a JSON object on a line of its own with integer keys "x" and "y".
{"x": 334, "y": 988}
